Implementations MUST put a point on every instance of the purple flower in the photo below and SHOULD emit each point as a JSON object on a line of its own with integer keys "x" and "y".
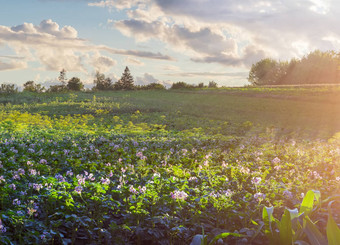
{"x": 2, "y": 179}
{"x": 81, "y": 179}
{"x": 259, "y": 196}
{"x": 2, "y": 227}
{"x": 37, "y": 187}
{"x": 133, "y": 190}
{"x": 179, "y": 195}
{"x": 12, "y": 186}
{"x": 43, "y": 161}
{"x": 78, "y": 189}
{"x": 69, "y": 173}
{"x": 60, "y": 178}
{"x": 32, "y": 172}
{"x": 142, "y": 189}
{"x": 105, "y": 181}
{"x": 21, "y": 171}
{"x": 16, "y": 201}
{"x": 256, "y": 180}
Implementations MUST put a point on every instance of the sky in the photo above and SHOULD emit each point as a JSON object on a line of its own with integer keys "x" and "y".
{"x": 162, "y": 41}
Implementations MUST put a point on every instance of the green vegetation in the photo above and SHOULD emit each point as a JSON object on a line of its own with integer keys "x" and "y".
{"x": 170, "y": 166}
{"x": 315, "y": 68}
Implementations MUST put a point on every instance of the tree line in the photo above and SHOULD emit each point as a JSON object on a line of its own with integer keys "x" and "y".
{"x": 101, "y": 83}
{"x": 315, "y": 68}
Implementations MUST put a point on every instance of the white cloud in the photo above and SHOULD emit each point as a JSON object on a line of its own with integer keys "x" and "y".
{"x": 12, "y": 65}
{"x": 146, "y": 79}
{"x": 226, "y": 31}
{"x": 115, "y": 4}
{"x": 132, "y": 61}
{"x": 56, "y": 47}
{"x": 102, "y": 63}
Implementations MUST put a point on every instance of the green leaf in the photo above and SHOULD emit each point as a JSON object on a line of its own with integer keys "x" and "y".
{"x": 294, "y": 213}
{"x": 307, "y": 203}
{"x": 267, "y": 216}
{"x": 314, "y": 235}
{"x": 285, "y": 227}
{"x": 224, "y": 235}
{"x": 333, "y": 231}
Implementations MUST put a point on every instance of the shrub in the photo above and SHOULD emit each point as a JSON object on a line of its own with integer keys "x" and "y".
{"x": 181, "y": 85}
{"x": 150, "y": 86}
{"x": 57, "y": 89}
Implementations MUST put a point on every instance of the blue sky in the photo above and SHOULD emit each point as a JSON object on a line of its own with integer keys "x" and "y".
{"x": 159, "y": 40}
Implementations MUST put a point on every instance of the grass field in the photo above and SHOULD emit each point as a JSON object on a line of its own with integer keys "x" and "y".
{"x": 157, "y": 167}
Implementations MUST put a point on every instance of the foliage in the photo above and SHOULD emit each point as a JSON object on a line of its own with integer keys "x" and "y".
{"x": 75, "y": 84}
{"x": 126, "y": 81}
{"x": 151, "y": 86}
{"x": 267, "y": 72}
{"x": 118, "y": 168}
{"x": 181, "y": 85}
{"x": 212, "y": 84}
{"x": 296, "y": 227}
{"x": 31, "y": 86}
{"x": 57, "y": 89}
{"x": 8, "y": 88}
{"x": 315, "y": 68}
{"x": 101, "y": 82}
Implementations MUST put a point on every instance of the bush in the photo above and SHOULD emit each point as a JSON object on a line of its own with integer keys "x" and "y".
{"x": 150, "y": 86}
{"x": 181, "y": 85}
{"x": 57, "y": 89}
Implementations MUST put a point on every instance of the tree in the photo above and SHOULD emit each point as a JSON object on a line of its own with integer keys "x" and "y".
{"x": 212, "y": 84}
{"x": 267, "y": 71}
{"x": 102, "y": 83}
{"x": 8, "y": 88}
{"x": 118, "y": 85}
{"x": 62, "y": 77}
{"x": 200, "y": 85}
{"x": 31, "y": 86}
{"x": 127, "y": 80}
{"x": 75, "y": 84}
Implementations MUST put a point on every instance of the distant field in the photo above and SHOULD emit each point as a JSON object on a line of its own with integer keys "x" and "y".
{"x": 313, "y": 111}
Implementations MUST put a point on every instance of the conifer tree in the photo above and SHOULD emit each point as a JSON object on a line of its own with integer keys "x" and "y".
{"x": 126, "y": 80}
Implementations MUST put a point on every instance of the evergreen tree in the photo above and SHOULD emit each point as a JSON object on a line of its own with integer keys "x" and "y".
{"x": 127, "y": 80}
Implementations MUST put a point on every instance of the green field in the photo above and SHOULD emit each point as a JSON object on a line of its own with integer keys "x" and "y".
{"x": 159, "y": 167}
{"x": 313, "y": 112}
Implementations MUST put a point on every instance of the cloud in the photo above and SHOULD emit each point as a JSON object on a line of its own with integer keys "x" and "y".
{"x": 137, "y": 53}
{"x": 115, "y": 4}
{"x": 102, "y": 63}
{"x": 146, "y": 79}
{"x": 227, "y": 31}
{"x": 132, "y": 61}
{"x": 56, "y": 47}
{"x": 206, "y": 44}
{"x": 15, "y": 65}
{"x": 209, "y": 74}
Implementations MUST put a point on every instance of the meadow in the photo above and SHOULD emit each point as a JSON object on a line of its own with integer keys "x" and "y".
{"x": 241, "y": 165}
